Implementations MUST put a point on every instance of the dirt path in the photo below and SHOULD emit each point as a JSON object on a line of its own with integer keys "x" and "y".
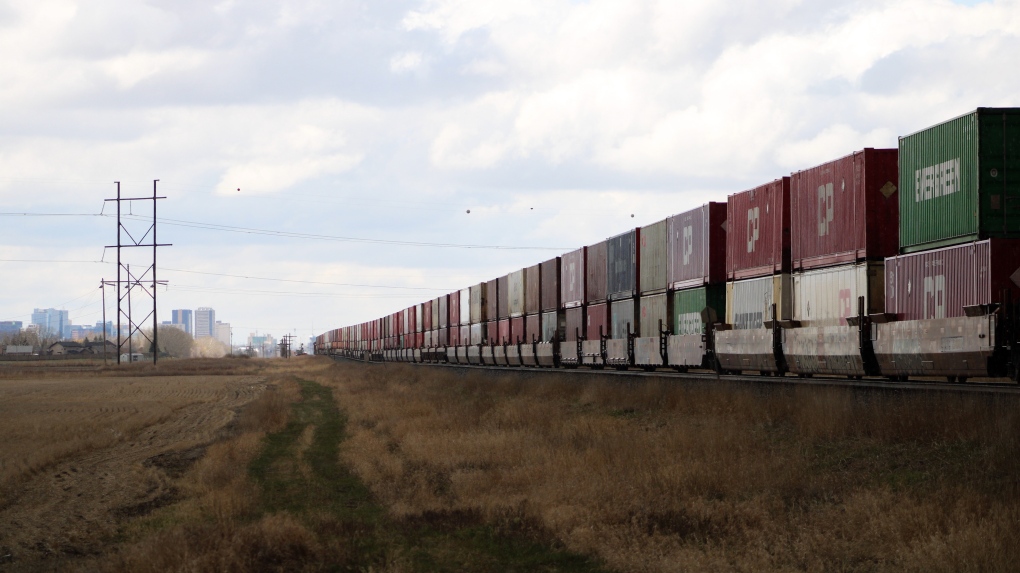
{"x": 72, "y": 506}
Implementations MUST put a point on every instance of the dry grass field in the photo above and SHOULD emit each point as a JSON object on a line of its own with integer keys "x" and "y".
{"x": 306, "y": 465}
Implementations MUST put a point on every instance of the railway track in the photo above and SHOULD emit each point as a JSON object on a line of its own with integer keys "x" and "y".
{"x": 874, "y": 383}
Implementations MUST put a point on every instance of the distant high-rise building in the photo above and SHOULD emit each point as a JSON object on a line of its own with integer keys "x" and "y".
{"x": 52, "y": 322}
{"x": 185, "y": 318}
{"x": 205, "y": 322}
{"x": 10, "y": 327}
{"x": 223, "y": 332}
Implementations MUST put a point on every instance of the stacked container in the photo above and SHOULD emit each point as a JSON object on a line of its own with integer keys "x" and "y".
{"x": 552, "y": 327}
{"x": 596, "y": 309}
{"x": 573, "y": 291}
{"x": 653, "y": 305}
{"x": 623, "y": 280}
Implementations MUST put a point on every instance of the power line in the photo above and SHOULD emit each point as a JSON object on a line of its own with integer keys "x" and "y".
{"x": 308, "y": 282}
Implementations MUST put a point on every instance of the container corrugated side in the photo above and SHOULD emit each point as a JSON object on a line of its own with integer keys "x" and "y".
{"x": 492, "y": 332}
{"x": 515, "y": 293}
{"x": 553, "y": 326}
{"x": 653, "y": 312}
{"x": 827, "y": 297}
{"x": 573, "y": 273}
{"x": 465, "y": 335}
{"x": 518, "y": 330}
{"x": 478, "y": 333}
{"x": 654, "y": 257}
{"x": 697, "y": 247}
{"x": 479, "y": 303}
{"x": 595, "y": 273}
{"x": 694, "y": 308}
{"x": 503, "y": 331}
{"x": 492, "y": 300}
{"x": 622, "y": 265}
{"x": 440, "y": 312}
{"x": 574, "y": 323}
{"x": 426, "y": 319}
{"x": 960, "y": 180}
{"x": 453, "y": 338}
{"x": 533, "y": 289}
{"x": 503, "y": 297}
{"x": 465, "y": 306}
{"x": 940, "y": 282}
{"x": 758, "y": 220}
{"x": 749, "y": 302}
{"x": 454, "y": 308}
{"x": 623, "y": 314}
{"x": 550, "y": 277}
{"x": 846, "y": 210}
{"x": 532, "y": 326}
{"x": 596, "y": 318}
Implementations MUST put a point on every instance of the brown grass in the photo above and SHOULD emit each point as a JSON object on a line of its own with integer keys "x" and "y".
{"x": 670, "y": 476}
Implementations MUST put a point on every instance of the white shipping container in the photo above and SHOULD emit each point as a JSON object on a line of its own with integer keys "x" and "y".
{"x": 826, "y": 297}
{"x": 477, "y": 333}
{"x": 515, "y": 286}
{"x": 749, "y": 302}
{"x": 465, "y": 306}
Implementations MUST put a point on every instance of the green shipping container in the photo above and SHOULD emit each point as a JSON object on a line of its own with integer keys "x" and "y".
{"x": 688, "y": 305}
{"x": 960, "y": 181}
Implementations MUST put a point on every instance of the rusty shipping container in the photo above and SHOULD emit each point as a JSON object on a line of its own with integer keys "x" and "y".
{"x": 623, "y": 318}
{"x": 939, "y": 283}
{"x": 503, "y": 331}
{"x": 749, "y": 302}
{"x": 653, "y": 312}
{"x": 426, "y": 320}
{"x": 492, "y": 300}
{"x": 479, "y": 303}
{"x": 454, "y": 308}
{"x": 653, "y": 257}
{"x": 518, "y": 330}
{"x": 697, "y": 247}
{"x": 453, "y": 336}
{"x": 573, "y": 272}
{"x": 533, "y": 327}
{"x": 515, "y": 293}
{"x": 492, "y": 332}
{"x": 595, "y": 272}
{"x": 550, "y": 287}
{"x": 622, "y": 265}
{"x": 758, "y": 242}
{"x": 574, "y": 323}
{"x": 845, "y": 210}
{"x": 827, "y": 297}
{"x": 596, "y": 321}
{"x": 960, "y": 180}
{"x": 503, "y": 297}
{"x": 533, "y": 289}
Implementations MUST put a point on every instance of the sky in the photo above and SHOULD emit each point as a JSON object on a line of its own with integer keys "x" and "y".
{"x": 328, "y": 162}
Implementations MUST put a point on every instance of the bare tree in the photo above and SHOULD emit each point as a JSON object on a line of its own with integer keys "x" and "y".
{"x": 172, "y": 341}
{"x": 208, "y": 347}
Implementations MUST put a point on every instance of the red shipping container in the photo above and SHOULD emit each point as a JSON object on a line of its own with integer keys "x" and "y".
{"x": 492, "y": 332}
{"x": 503, "y": 297}
{"x": 533, "y": 289}
{"x": 503, "y": 334}
{"x": 454, "y": 310}
{"x": 575, "y": 317}
{"x": 551, "y": 284}
{"x": 595, "y": 285}
{"x": 573, "y": 271}
{"x": 492, "y": 299}
{"x": 454, "y": 336}
{"x": 845, "y": 210}
{"x": 940, "y": 282}
{"x": 444, "y": 337}
{"x": 597, "y": 321}
{"x": 426, "y": 316}
{"x": 532, "y": 327}
{"x": 411, "y": 320}
{"x": 758, "y": 242}
{"x": 518, "y": 330}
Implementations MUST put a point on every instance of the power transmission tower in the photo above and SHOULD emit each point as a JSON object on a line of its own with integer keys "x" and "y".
{"x": 145, "y": 281}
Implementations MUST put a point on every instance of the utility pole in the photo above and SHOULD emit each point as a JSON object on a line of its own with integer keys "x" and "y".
{"x": 144, "y": 281}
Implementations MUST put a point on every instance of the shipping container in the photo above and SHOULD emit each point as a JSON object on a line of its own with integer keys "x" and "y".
{"x": 515, "y": 293}
{"x": 622, "y": 258}
{"x": 403, "y": 321}
{"x": 478, "y": 333}
{"x": 574, "y": 321}
{"x": 465, "y": 306}
{"x": 479, "y": 304}
{"x": 758, "y": 220}
{"x": 845, "y": 210}
{"x": 444, "y": 337}
{"x": 595, "y": 272}
{"x": 428, "y": 339}
{"x": 426, "y": 321}
{"x": 453, "y": 338}
{"x": 454, "y": 309}
{"x": 573, "y": 272}
{"x": 596, "y": 321}
{"x": 941, "y": 282}
{"x": 533, "y": 289}
{"x": 518, "y": 331}
{"x": 503, "y": 331}
{"x": 553, "y": 326}
{"x": 694, "y": 308}
{"x": 465, "y": 335}
{"x": 492, "y": 332}
{"x": 550, "y": 273}
{"x": 653, "y": 314}
{"x": 623, "y": 314}
{"x": 419, "y": 317}
{"x": 492, "y": 300}
{"x": 533, "y": 326}
{"x": 653, "y": 257}
{"x": 960, "y": 180}
{"x": 749, "y": 302}
{"x": 827, "y": 297}
{"x": 441, "y": 312}
{"x": 503, "y": 297}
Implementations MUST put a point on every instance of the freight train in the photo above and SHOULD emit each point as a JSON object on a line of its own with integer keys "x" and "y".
{"x": 886, "y": 262}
